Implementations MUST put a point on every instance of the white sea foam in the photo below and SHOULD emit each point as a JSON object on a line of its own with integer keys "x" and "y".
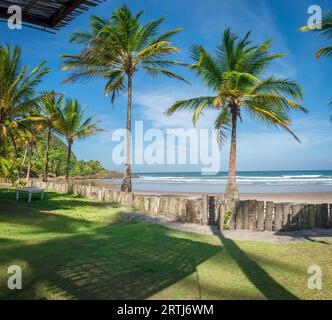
{"x": 300, "y": 179}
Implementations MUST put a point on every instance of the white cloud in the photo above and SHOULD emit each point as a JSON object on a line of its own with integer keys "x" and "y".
{"x": 155, "y": 103}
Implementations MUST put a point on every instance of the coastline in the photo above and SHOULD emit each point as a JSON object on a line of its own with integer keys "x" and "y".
{"x": 301, "y": 197}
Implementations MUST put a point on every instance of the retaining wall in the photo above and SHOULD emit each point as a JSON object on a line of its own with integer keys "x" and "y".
{"x": 209, "y": 210}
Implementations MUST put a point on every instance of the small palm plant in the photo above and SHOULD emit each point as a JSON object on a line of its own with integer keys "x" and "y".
{"x": 72, "y": 124}
{"x": 50, "y": 107}
{"x": 235, "y": 76}
{"x": 115, "y": 50}
{"x": 17, "y": 89}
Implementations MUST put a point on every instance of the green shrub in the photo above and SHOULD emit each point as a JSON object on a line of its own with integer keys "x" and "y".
{"x": 228, "y": 216}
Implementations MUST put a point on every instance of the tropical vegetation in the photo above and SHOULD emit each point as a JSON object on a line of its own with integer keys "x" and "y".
{"x": 236, "y": 77}
{"x": 72, "y": 124}
{"x": 115, "y": 49}
{"x": 32, "y": 121}
{"x": 50, "y": 109}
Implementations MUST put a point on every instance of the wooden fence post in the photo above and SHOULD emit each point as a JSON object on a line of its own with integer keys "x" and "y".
{"x": 252, "y": 225}
{"x": 278, "y": 217}
{"x": 269, "y": 216}
{"x": 311, "y": 216}
{"x": 239, "y": 215}
{"x": 260, "y": 216}
{"x": 245, "y": 213}
{"x": 205, "y": 210}
{"x": 325, "y": 215}
{"x": 222, "y": 211}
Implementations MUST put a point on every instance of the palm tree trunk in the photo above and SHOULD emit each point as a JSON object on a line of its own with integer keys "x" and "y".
{"x": 29, "y": 167}
{"x": 68, "y": 161}
{"x": 126, "y": 183}
{"x": 47, "y": 153}
{"x": 232, "y": 191}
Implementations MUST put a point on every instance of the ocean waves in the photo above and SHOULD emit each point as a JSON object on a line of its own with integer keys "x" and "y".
{"x": 243, "y": 179}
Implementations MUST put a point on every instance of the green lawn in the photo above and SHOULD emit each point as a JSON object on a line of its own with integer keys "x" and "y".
{"x": 71, "y": 248}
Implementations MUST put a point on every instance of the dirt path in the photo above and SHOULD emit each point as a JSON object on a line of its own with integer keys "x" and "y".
{"x": 313, "y": 235}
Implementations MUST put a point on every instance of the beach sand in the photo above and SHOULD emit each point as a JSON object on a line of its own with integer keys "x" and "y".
{"x": 299, "y": 197}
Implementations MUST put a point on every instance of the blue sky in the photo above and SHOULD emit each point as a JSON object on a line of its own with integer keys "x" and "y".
{"x": 259, "y": 148}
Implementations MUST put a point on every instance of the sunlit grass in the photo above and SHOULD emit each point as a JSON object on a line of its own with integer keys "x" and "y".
{"x": 71, "y": 248}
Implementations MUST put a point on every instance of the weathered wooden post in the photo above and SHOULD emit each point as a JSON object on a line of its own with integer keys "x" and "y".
{"x": 286, "y": 217}
{"x": 222, "y": 211}
{"x": 278, "y": 217}
{"x": 311, "y": 216}
{"x": 269, "y": 216}
{"x": 245, "y": 214}
{"x": 325, "y": 215}
{"x": 205, "y": 210}
{"x": 239, "y": 215}
{"x": 296, "y": 208}
{"x": 304, "y": 216}
{"x": 260, "y": 216}
{"x": 182, "y": 209}
{"x": 252, "y": 223}
{"x": 318, "y": 216}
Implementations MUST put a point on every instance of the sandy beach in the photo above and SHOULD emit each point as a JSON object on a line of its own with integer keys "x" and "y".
{"x": 300, "y": 197}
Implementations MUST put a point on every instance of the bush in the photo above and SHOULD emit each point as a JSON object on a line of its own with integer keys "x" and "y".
{"x": 228, "y": 216}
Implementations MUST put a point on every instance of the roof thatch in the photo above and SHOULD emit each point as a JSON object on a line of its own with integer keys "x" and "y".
{"x": 48, "y": 14}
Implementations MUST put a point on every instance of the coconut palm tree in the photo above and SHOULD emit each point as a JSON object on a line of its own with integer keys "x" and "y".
{"x": 50, "y": 107}
{"x": 72, "y": 124}
{"x": 235, "y": 76}
{"x": 326, "y": 30}
{"x": 115, "y": 50}
{"x": 17, "y": 89}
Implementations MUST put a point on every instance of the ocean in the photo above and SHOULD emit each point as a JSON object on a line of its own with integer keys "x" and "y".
{"x": 249, "y": 181}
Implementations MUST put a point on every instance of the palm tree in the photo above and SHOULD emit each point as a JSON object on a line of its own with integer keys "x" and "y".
{"x": 72, "y": 124}
{"x": 235, "y": 77}
{"x": 117, "y": 48}
{"x": 50, "y": 105}
{"x": 17, "y": 89}
{"x": 326, "y": 30}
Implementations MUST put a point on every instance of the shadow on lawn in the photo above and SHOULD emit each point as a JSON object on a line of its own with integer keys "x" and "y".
{"x": 127, "y": 261}
{"x": 121, "y": 262}
{"x": 269, "y": 287}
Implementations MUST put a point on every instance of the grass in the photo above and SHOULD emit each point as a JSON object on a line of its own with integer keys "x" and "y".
{"x": 71, "y": 248}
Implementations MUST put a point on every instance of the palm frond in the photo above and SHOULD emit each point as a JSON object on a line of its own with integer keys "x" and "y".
{"x": 198, "y": 105}
{"x": 223, "y": 124}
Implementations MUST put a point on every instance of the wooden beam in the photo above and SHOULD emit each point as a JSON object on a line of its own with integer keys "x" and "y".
{"x": 27, "y": 18}
{"x": 65, "y": 11}
{"x": 52, "y": 14}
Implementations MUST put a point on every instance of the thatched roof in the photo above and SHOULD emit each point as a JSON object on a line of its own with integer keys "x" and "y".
{"x": 48, "y": 14}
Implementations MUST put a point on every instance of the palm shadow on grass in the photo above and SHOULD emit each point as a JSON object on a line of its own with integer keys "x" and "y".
{"x": 269, "y": 287}
{"x": 123, "y": 262}
{"x": 88, "y": 260}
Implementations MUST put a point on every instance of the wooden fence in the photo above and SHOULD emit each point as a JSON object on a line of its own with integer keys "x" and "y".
{"x": 209, "y": 210}
{"x": 260, "y": 216}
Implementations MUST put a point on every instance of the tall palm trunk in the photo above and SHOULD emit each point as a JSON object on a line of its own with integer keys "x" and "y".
{"x": 232, "y": 191}
{"x": 47, "y": 153}
{"x": 126, "y": 184}
{"x": 29, "y": 166}
{"x": 68, "y": 161}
